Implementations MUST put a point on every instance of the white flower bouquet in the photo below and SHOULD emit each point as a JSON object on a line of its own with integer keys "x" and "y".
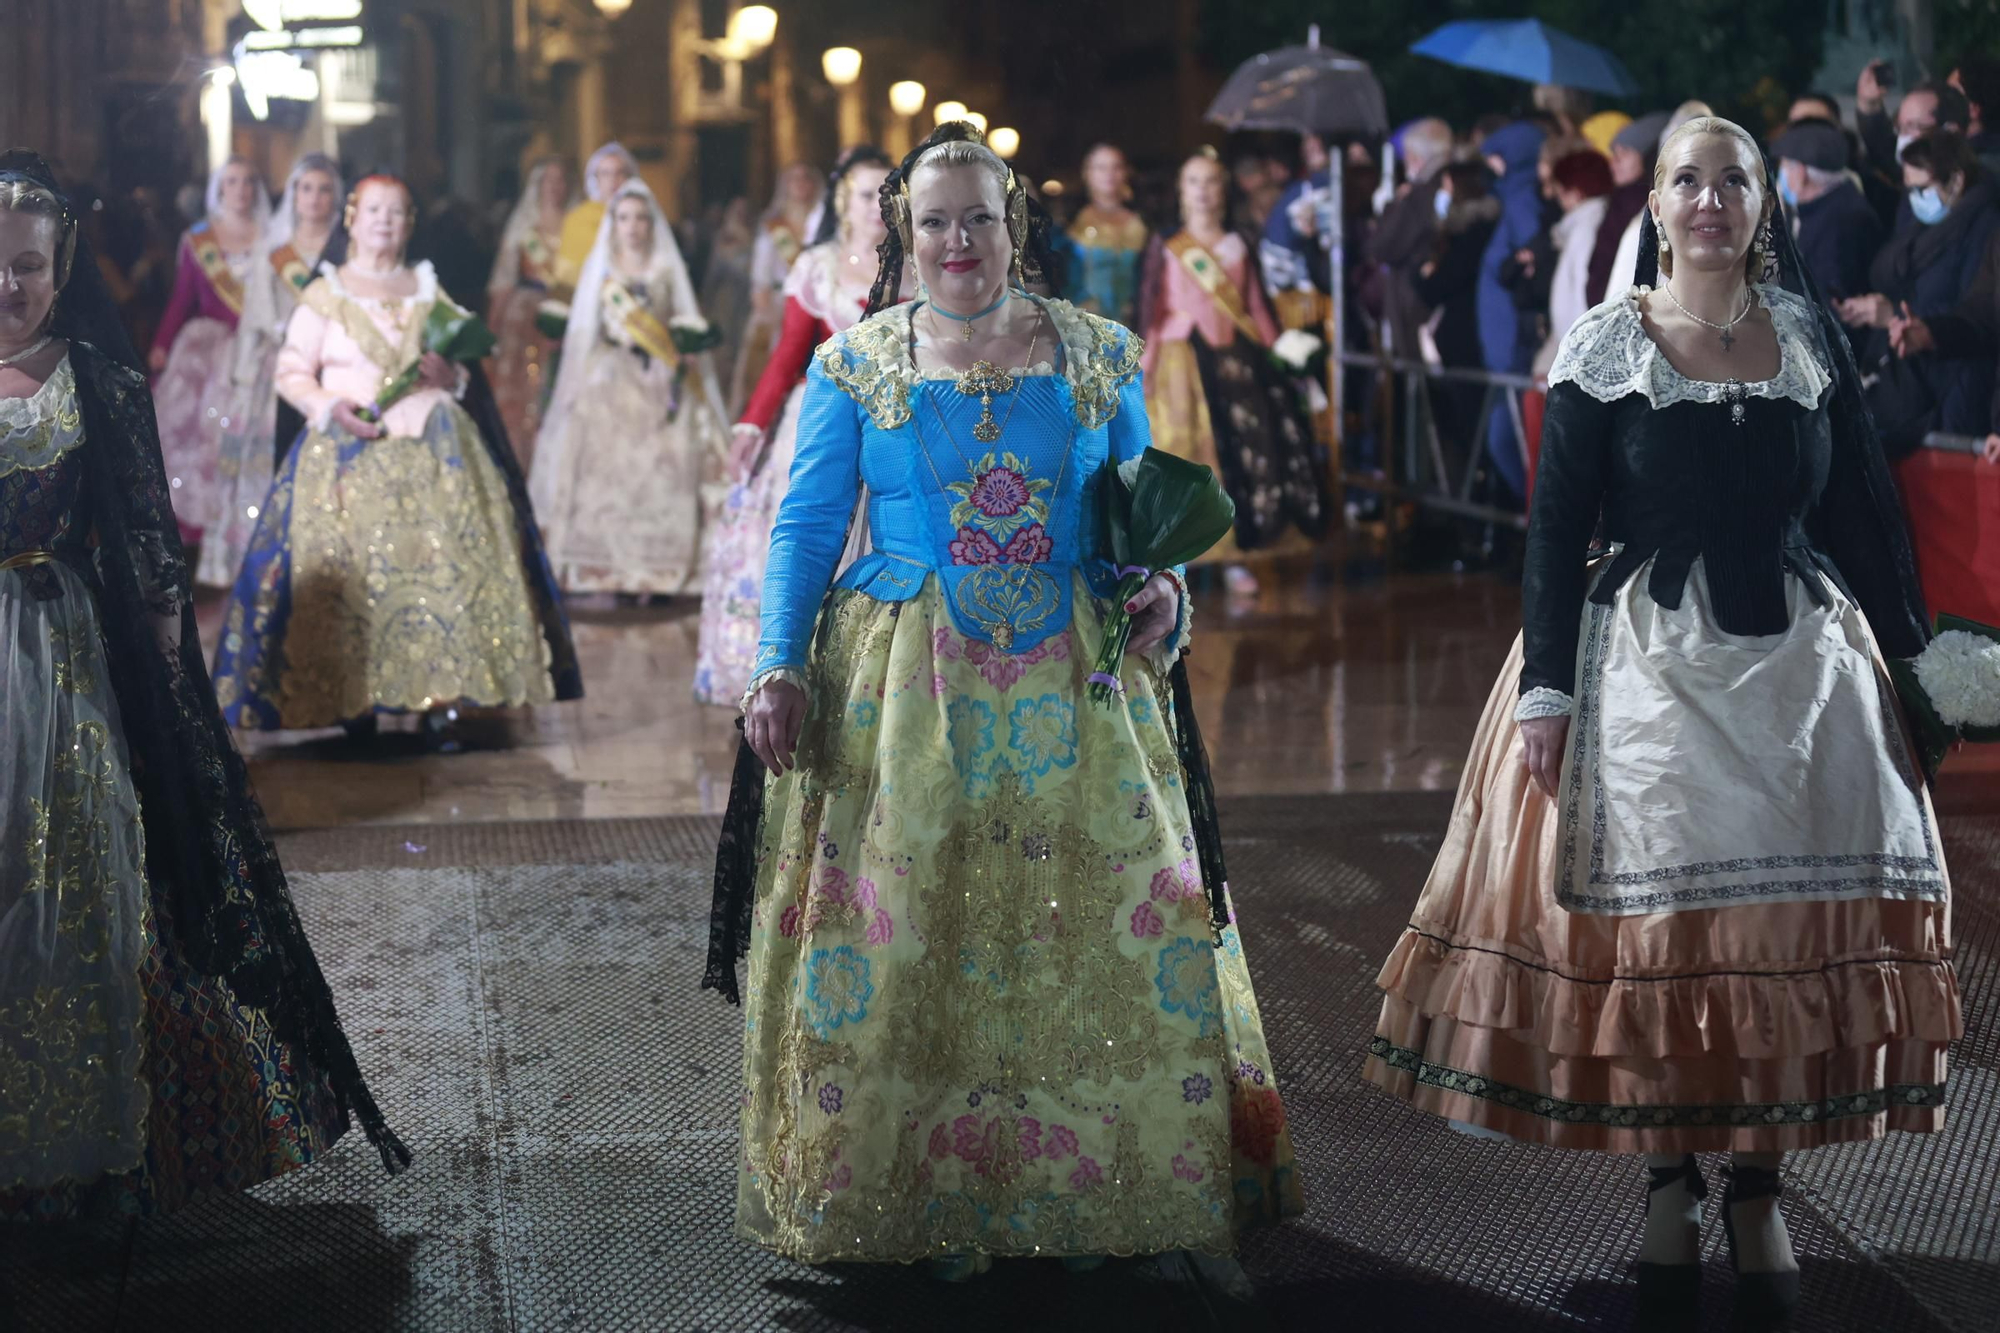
{"x": 1952, "y": 688}
{"x": 1295, "y": 349}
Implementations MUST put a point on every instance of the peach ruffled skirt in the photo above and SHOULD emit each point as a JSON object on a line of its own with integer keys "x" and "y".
{"x": 1763, "y": 1027}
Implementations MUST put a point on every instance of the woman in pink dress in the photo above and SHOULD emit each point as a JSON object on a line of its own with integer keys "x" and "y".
{"x": 197, "y": 337}
{"x": 1212, "y": 391}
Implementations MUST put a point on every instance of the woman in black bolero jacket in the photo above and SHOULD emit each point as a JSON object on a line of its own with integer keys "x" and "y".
{"x": 1692, "y": 897}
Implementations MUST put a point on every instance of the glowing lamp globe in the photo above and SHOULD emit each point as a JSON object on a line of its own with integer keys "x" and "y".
{"x": 841, "y": 65}
{"x": 945, "y": 111}
{"x": 976, "y": 120}
{"x": 907, "y": 97}
{"x": 1006, "y": 141}
{"x": 753, "y": 27}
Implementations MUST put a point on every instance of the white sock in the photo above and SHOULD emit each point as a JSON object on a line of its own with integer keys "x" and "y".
{"x": 1673, "y": 1219}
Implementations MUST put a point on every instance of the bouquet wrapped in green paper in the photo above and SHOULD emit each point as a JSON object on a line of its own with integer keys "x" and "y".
{"x": 454, "y": 334}
{"x": 1158, "y": 511}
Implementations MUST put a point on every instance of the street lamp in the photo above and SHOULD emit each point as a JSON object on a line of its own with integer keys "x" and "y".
{"x": 611, "y": 9}
{"x": 945, "y": 111}
{"x": 1005, "y": 141}
{"x": 976, "y": 120}
{"x": 841, "y": 65}
{"x": 751, "y": 28}
{"x": 906, "y": 99}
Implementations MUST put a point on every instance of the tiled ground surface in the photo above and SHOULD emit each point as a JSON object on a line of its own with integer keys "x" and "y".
{"x": 524, "y": 998}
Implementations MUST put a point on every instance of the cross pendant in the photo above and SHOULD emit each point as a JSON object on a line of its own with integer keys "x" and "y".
{"x": 1728, "y": 340}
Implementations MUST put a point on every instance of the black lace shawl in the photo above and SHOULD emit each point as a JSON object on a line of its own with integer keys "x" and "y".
{"x": 742, "y": 821}
{"x": 208, "y": 853}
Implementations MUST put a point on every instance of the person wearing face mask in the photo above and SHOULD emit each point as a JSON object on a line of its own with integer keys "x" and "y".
{"x": 1692, "y": 896}
{"x": 826, "y": 292}
{"x": 1920, "y": 273}
{"x": 1406, "y": 234}
{"x": 192, "y": 349}
{"x": 1926, "y": 107}
{"x": 996, "y": 1002}
{"x": 395, "y": 566}
{"x": 1838, "y": 233}
{"x": 165, "y": 1030}
{"x": 634, "y": 428}
{"x": 255, "y": 433}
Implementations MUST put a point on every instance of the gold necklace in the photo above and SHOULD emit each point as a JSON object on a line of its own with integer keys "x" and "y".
{"x": 983, "y": 380}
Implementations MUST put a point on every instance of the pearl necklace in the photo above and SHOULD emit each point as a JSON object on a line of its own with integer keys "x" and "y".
{"x": 46, "y": 339}
{"x": 1728, "y": 338}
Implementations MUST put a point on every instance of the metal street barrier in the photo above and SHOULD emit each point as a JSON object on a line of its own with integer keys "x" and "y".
{"x": 1421, "y": 468}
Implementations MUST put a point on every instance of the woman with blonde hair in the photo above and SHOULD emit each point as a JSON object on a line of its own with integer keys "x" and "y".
{"x": 996, "y": 1004}
{"x": 1692, "y": 897}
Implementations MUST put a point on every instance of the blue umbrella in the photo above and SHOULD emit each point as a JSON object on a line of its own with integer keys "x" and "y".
{"x": 1529, "y": 50}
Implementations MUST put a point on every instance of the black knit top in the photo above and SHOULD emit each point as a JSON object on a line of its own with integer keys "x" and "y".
{"x": 1755, "y": 483}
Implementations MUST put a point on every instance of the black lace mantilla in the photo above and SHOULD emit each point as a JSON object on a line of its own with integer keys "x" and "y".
{"x": 736, "y": 853}
{"x": 208, "y": 854}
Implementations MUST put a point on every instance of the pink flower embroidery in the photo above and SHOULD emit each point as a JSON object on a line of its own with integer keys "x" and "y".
{"x": 947, "y": 645}
{"x": 1087, "y": 1175}
{"x": 999, "y": 492}
{"x": 967, "y": 1141}
{"x": 1029, "y": 1135}
{"x": 940, "y": 1145}
{"x": 1146, "y": 923}
{"x": 937, "y": 687}
{"x": 788, "y": 924}
{"x": 973, "y": 547}
{"x": 882, "y": 929}
{"x": 1030, "y": 546}
{"x": 1186, "y": 1170}
{"x": 842, "y": 1178}
{"x": 1059, "y": 1143}
{"x": 864, "y": 894}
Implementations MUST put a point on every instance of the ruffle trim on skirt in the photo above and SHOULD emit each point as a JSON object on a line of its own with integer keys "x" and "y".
{"x": 1788, "y": 1013}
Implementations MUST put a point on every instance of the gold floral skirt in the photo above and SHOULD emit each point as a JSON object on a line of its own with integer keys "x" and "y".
{"x": 986, "y": 1010}
{"x": 383, "y": 574}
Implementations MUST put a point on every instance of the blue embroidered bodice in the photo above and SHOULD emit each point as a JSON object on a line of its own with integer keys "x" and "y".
{"x": 1003, "y": 525}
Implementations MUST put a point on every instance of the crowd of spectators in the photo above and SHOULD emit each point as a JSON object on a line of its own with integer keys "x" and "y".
{"x": 1488, "y": 244}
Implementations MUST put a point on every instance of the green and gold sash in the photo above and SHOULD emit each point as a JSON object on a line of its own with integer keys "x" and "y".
{"x": 641, "y": 325}
{"x": 215, "y": 267}
{"x": 291, "y": 266}
{"x": 1212, "y": 278}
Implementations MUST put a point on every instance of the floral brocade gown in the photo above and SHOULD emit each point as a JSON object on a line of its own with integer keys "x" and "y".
{"x": 129, "y": 1081}
{"x": 987, "y": 1009}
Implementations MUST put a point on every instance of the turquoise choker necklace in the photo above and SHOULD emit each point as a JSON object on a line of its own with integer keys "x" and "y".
{"x": 966, "y": 321}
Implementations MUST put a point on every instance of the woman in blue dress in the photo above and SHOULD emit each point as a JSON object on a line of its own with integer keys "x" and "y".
{"x": 996, "y": 1001}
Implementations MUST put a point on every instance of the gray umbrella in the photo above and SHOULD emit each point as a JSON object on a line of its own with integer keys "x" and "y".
{"x": 1304, "y": 89}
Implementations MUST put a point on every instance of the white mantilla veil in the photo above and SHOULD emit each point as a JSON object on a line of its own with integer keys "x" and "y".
{"x": 701, "y": 388}
{"x": 285, "y": 218}
{"x": 260, "y": 210}
{"x": 522, "y": 221}
{"x": 612, "y": 149}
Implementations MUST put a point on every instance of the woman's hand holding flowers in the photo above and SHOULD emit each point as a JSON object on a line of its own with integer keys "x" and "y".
{"x": 1155, "y": 610}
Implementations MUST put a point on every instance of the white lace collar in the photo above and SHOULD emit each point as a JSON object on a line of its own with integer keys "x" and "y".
{"x": 427, "y": 286}
{"x": 1609, "y": 354}
{"x": 37, "y": 430}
